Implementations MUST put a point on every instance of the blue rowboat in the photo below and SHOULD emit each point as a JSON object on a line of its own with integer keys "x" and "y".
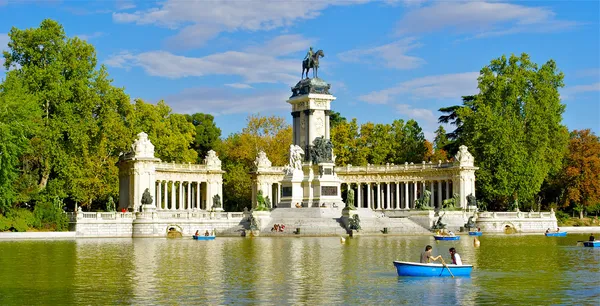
{"x": 592, "y": 244}
{"x": 203, "y": 237}
{"x": 475, "y": 233}
{"x": 419, "y": 269}
{"x": 559, "y": 234}
{"x": 446, "y": 237}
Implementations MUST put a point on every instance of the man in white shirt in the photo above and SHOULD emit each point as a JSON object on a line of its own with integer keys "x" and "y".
{"x": 455, "y": 257}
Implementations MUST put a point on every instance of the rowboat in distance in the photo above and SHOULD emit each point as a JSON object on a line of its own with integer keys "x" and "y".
{"x": 405, "y": 268}
{"x": 592, "y": 244}
{"x": 475, "y": 233}
{"x": 439, "y": 237}
{"x": 558, "y": 234}
{"x": 203, "y": 237}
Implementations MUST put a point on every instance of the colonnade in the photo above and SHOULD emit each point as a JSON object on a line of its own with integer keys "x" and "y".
{"x": 181, "y": 195}
{"x": 399, "y": 195}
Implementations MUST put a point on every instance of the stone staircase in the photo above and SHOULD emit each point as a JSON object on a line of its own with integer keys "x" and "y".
{"x": 372, "y": 222}
{"x": 315, "y": 221}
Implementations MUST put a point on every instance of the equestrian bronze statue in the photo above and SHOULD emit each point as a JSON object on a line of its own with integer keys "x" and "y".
{"x": 311, "y": 61}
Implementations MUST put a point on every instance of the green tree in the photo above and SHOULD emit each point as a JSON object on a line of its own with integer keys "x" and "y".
{"x": 514, "y": 128}
{"x": 239, "y": 150}
{"x": 453, "y": 140}
{"x": 18, "y": 115}
{"x": 171, "y": 134}
{"x": 83, "y": 124}
{"x": 207, "y": 133}
{"x": 344, "y": 137}
{"x": 335, "y": 119}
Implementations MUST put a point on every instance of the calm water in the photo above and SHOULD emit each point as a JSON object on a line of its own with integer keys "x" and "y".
{"x": 509, "y": 270}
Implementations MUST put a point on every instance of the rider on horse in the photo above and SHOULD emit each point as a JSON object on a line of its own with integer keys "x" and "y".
{"x": 309, "y": 56}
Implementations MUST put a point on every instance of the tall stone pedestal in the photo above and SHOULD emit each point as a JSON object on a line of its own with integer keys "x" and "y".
{"x": 292, "y": 193}
{"x": 325, "y": 187}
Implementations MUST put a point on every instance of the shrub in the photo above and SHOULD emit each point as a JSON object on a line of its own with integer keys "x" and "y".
{"x": 561, "y": 217}
{"x": 19, "y": 220}
{"x": 49, "y": 215}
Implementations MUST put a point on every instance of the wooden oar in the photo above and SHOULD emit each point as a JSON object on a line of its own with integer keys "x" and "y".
{"x": 445, "y": 265}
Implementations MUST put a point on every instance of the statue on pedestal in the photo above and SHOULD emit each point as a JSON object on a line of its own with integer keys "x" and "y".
{"x": 311, "y": 60}
{"x": 296, "y": 153}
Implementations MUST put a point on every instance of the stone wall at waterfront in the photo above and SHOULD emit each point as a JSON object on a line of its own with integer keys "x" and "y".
{"x": 520, "y": 222}
{"x": 132, "y": 225}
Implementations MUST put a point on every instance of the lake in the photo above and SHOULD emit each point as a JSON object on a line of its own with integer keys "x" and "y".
{"x": 508, "y": 269}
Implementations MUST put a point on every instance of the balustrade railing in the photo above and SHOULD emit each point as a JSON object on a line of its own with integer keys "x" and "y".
{"x": 392, "y": 168}
{"x": 208, "y": 215}
{"x": 515, "y": 215}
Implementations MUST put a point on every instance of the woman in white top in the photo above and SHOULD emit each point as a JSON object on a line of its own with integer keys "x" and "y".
{"x": 455, "y": 257}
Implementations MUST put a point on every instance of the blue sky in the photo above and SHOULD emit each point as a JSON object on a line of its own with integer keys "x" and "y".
{"x": 385, "y": 60}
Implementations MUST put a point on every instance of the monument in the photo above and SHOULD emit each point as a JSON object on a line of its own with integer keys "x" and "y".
{"x": 310, "y": 179}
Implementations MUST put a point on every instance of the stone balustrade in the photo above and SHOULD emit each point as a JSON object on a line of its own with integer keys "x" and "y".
{"x": 183, "y": 215}
{"x": 164, "y": 166}
{"x": 349, "y": 169}
{"x": 515, "y": 215}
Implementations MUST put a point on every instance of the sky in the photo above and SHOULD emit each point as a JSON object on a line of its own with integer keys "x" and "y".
{"x": 385, "y": 60}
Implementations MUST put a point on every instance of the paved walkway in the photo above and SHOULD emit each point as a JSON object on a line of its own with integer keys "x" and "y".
{"x": 36, "y": 235}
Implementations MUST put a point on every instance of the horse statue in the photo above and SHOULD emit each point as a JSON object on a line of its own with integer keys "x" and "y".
{"x": 314, "y": 64}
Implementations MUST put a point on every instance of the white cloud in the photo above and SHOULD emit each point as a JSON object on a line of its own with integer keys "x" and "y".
{"x": 253, "y": 68}
{"x": 88, "y": 37}
{"x": 590, "y": 72}
{"x": 239, "y": 85}
{"x": 416, "y": 113}
{"x": 204, "y": 19}
{"x": 259, "y": 65}
{"x": 220, "y": 101}
{"x": 282, "y": 45}
{"x": 583, "y": 88}
{"x": 430, "y": 87}
{"x": 125, "y": 4}
{"x": 393, "y": 54}
{"x": 482, "y": 18}
{"x": 569, "y": 92}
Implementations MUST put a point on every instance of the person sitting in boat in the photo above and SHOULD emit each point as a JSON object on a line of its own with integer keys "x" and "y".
{"x": 426, "y": 256}
{"x": 455, "y": 257}
{"x": 548, "y": 231}
{"x": 557, "y": 230}
{"x": 206, "y": 233}
{"x": 479, "y": 229}
{"x": 197, "y": 233}
{"x": 592, "y": 238}
{"x": 451, "y": 233}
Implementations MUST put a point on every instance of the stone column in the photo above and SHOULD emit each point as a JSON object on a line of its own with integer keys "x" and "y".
{"x": 189, "y": 195}
{"x": 172, "y": 195}
{"x": 387, "y": 195}
{"x": 181, "y": 194}
{"x": 198, "y": 195}
{"x": 358, "y": 195}
{"x": 369, "y": 196}
{"x": 278, "y": 193}
{"x": 327, "y": 124}
{"x": 378, "y": 199}
{"x": 431, "y": 198}
{"x": 209, "y": 202}
{"x": 406, "y": 195}
{"x": 397, "y": 204}
{"x": 414, "y": 197}
{"x": 159, "y": 196}
{"x": 439, "y": 195}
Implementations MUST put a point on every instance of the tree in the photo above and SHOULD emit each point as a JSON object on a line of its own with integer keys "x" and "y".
{"x": 171, "y": 134}
{"x": 17, "y": 124}
{"x": 513, "y": 128}
{"x": 335, "y": 119}
{"x": 344, "y": 137}
{"x": 581, "y": 174}
{"x": 238, "y": 152}
{"x": 453, "y": 140}
{"x": 83, "y": 123}
{"x": 207, "y": 133}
